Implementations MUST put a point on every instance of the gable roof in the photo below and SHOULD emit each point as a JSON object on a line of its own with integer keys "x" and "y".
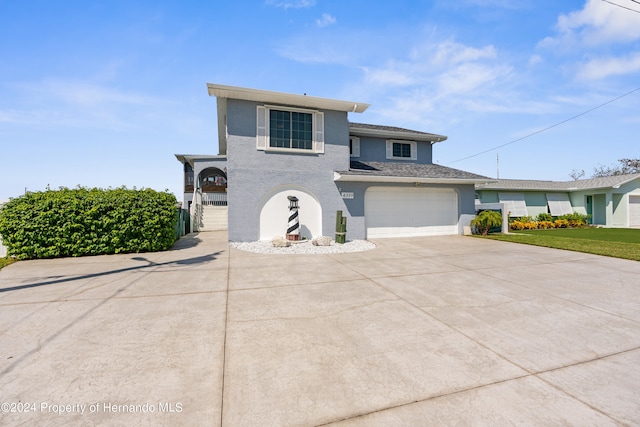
{"x": 407, "y": 172}
{"x": 581, "y": 184}
{"x": 362, "y": 129}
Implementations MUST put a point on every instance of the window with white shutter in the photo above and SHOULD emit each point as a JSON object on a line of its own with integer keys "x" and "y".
{"x": 354, "y": 146}
{"x": 286, "y": 129}
{"x": 261, "y": 132}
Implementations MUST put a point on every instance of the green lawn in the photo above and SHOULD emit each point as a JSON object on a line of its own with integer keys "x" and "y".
{"x": 614, "y": 242}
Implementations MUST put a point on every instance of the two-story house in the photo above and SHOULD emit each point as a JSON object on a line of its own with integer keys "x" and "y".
{"x": 275, "y": 145}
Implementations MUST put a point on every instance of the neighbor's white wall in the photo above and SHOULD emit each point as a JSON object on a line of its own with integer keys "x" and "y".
{"x": 3, "y": 250}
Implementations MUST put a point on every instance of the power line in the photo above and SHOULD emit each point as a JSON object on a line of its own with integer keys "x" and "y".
{"x": 548, "y": 127}
{"x": 624, "y": 7}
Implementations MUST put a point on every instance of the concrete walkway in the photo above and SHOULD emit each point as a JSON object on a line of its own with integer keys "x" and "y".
{"x": 421, "y": 331}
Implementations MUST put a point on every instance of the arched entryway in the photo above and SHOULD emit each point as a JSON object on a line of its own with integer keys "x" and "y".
{"x": 212, "y": 182}
{"x": 275, "y": 213}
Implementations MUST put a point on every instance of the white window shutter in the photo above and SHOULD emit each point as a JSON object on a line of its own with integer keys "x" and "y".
{"x": 319, "y": 131}
{"x": 389, "y": 149}
{"x": 261, "y": 131}
{"x": 355, "y": 146}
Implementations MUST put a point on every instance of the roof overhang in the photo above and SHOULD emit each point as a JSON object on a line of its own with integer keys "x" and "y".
{"x": 234, "y": 92}
{"x": 192, "y": 158}
{"x": 338, "y": 177}
{"x": 390, "y": 134}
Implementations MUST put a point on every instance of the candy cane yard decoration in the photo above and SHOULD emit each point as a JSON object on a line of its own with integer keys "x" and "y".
{"x": 293, "y": 231}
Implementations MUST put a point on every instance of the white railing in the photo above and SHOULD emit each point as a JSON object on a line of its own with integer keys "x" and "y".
{"x": 196, "y": 210}
{"x": 214, "y": 199}
{"x": 201, "y": 199}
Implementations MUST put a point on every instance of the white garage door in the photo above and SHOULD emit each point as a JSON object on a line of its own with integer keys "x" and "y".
{"x": 634, "y": 211}
{"x": 403, "y": 212}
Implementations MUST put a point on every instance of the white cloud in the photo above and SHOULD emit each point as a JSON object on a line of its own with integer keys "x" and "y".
{"x": 448, "y": 67}
{"x": 452, "y": 53}
{"x": 388, "y": 76}
{"x": 604, "y": 67}
{"x": 439, "y": 81}
{"x": 325, "y": 20}
{"x": 534, "y": 60}
{"x": 77, "y": 104}
{"x": 598, "y": 23}
{"x": 291, "y": 4}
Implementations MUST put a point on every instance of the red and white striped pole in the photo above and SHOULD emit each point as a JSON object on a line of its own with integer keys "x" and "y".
{"x": 293, "y": 230}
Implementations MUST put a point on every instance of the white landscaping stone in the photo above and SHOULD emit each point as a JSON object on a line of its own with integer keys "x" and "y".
{"x": 322, "y": 241}
{"x": 280, "y": 243}
{"x": 267, "y": 247}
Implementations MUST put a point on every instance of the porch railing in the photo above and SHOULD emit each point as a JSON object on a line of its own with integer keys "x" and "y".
{"x": 196, "y": 210}
{"x": 214, "y": 199}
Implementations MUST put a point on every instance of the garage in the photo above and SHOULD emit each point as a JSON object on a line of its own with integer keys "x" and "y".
{"x": 634, "y": 211}
{"x": 410, "y": 211}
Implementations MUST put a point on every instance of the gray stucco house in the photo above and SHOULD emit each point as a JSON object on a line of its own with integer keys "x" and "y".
{"x": 612, "y": 201}
{"x": 275, "y": 145}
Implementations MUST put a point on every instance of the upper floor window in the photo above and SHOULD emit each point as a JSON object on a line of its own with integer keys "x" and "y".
{"x": 290, "y": 129}
{"x": 402, "y": 150}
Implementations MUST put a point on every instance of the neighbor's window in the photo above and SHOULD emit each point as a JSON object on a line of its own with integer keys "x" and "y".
{"x": 290, "y": 129}
{"x": 404, "y": 150}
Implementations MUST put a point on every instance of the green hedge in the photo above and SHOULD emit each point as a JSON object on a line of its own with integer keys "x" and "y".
{"x": 82, "y": 221}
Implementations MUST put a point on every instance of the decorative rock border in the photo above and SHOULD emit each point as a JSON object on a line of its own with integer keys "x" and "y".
{"x": 307, "y": 247}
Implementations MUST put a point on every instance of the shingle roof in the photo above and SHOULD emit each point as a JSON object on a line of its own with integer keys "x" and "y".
{"x": 581, "y": 184}
{"x": 393, "y": 131}
{"x": 385, "y": 128}
{"x": 422, "y": 172}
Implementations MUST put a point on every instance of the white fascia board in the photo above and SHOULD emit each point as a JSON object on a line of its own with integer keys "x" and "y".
{"x": 387, "y": 134}
{"x": 246, "y": 94}
{"x": 222, "y": 125}
{"x": 191, "y": 158}
{"x": 404, "y": 179}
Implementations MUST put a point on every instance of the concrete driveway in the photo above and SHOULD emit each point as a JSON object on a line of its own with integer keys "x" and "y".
{"x": 421, "y": 331}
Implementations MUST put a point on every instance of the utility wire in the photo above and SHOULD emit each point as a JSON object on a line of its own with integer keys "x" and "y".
{"x": 624, "y": 7}
{"x": 548, "y": 127}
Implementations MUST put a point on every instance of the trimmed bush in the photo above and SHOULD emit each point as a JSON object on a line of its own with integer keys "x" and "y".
{"x": 561, "y": 223}
{"x": 545, "y": 224}
{"x": 84, "y": 221}
{"x": 517, "y": 225}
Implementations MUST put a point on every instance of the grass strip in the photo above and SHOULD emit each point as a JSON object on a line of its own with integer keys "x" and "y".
{"x": 614, "y": 249}
{"x": 6, "y": 261}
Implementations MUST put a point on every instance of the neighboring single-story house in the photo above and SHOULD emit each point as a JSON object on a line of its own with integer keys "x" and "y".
{"x": 275, "y": 145}
{"x": 612, "y": 201}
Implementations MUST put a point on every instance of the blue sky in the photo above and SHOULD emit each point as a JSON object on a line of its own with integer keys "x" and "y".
{"x": 104, "y": 93}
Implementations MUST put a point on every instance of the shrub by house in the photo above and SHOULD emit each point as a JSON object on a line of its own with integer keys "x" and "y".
{"x": 82, "y": 221}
